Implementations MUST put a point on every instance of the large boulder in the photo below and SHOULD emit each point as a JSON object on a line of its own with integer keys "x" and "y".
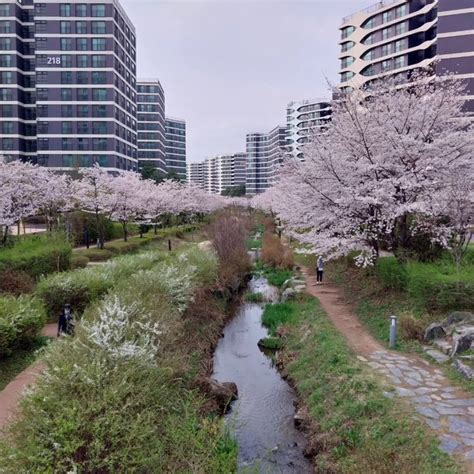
{"x": 288, "y": 294}
{"x": 463, "y": 341}
{"x": 434, "y": 331}
{"x": 464, "y": 370}
{"x": 458, "y": 317}
{"x": 222, "y": 393}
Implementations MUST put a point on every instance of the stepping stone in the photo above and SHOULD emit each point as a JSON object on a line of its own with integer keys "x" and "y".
{"x": 437, "y": 356}
{"x": 414, "y": 375}
{"x": 405, "y": 392}
{"x": 433, "y": 424}
{"x": 389, "y": 394}
{"x": 435, "y": 397}
{"x": 443, "y": 345}
{"x": 450, "y": 411}
{"x": 448, "y": 445}
{"x": 375, "y": 365}
{"x": 467, "y": 441}
{"x": 462, "y": 402}
{"x": 424, "y": 399}
{"x": 362, "y": 359}
{"x": 413, "y": 383}
{"x": 459, "y": 426}
{"x": 447, "y": 395}
{"x": 433, "y": 384}
{"x": 424, "y": 390}
{"x": 428, "y": 412}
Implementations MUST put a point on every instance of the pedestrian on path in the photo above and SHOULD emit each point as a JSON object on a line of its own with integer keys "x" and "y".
{"x": 65, "y": 323}
{"x": 319, "y": 270}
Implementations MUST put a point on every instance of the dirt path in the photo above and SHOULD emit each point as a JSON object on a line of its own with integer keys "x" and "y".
{"x": 447, "y": 409}
{"x": 11, "y": 395}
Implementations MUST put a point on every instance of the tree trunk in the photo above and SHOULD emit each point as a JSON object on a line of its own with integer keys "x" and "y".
{"x": 125, "y": 232}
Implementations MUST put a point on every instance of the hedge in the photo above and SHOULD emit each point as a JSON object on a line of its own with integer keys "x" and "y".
{"x": 391, "y": 273}
{"x": 37, "y": 255}
{"x": 21, "y": 320}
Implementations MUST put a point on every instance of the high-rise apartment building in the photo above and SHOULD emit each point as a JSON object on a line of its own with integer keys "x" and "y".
{"x": 197, "y": 174}
{"x": 176, "y": 146}
{"x": 399, "y": 36}
{"x": 151, "y": 124}
{"x": 68, "y": 78}
{"x": 303, "y": 118}
{"x": 265, "y": 152}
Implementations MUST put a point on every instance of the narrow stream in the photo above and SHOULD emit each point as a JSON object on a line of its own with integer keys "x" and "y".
{"x": 262, "y": 418}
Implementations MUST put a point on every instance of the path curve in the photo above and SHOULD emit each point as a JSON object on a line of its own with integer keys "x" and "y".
{"x": 447, "y": 409}
{"x": 11, "y": 395}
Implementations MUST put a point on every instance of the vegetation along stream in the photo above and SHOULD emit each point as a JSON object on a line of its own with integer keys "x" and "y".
{"x": 262, "y": 418}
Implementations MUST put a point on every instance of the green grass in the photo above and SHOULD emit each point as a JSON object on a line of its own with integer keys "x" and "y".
{"x": 275, "y": 276}
{"x": 254, "y": 244}
{"x": 276, "y": 315}
{"x": 254, "y": 297}
{"x": 20, "y": 360}
{"x": 355, "y": 428}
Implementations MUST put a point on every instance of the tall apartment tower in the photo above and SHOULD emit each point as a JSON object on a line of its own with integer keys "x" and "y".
{"x": 225, "y": 171}
{"x": 399, "y": 36}
{"x": 197, "y": 174}
{"x": 303, "y": 118}
{"x": 265, "y": 152}
{"x": 68, "y": 79}
{"x": 151, "y": 124}
{"x": 176, "y": 146}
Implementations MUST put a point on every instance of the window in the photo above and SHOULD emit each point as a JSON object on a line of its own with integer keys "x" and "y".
{"x": 4, "y": 10}
{"x": 99, "y": 111}
{"x": 66, "y": 94}
{"x": 398, "y": 46}
{"x": 347, "y": 46}
{"x": 67, "y": 143}
{"x": 82, "y": 127}
{"x": 43, "y": 127}
{"x": 81, "y": 44}
{"x": 66, "y": 60}
{"x": 7, "y": 144}
{"x": 42, "y": 110}
{"x": 99, "y": 144}
{"x": 82, "y": 144}
{"x": 81, "y": 27}
{"x": 370, "y": 23}
{"x": 65, "y": 9}
{"x": 5, "y": 44}
{"x": 399, "y": 62}
{"x": 400, "y": 28}
{"x": 82, "y": 94}
{"x": 7, "y": 127}
{"x": 386, "y": 65}
{"x": 387, "y": 49}
{"x": 82, "y": 60}
{"x": 369, "y": 40}
{"x": 99, "y": 77}
{"x": 81, "y": 10}
{"x": 99, "y": 61}
{"x": 347, "y": 31}
{"x": 82, "y": 77}
{"x": 5, "y": 27}
{"x": 98, "y": 44}
{"x": 345, "y": 62}
{"x": 6, "y": 94}
{"x": 65, "y": 27}
{"x": 83, "y": 111}
{"x": 401, "y": 11}
{"x": 102, "y": 160}
{"x": 66, "y": 128}
{"x": 66, "y": 44}
{"x": 43, "y": 144}
{"x": 6, "y": 60}
{"x": 98, "y": 28}
{"x": 98, "y": 10}
{"x": 99, "y": 94}
{"x": 385, "y": 33}
{"x": 6, "y": 77}
{"x": 66, "y": 110}
{"x": 386, "y": 17}
{"x": 99, "y": 128}
{"x": 41, "y": 94}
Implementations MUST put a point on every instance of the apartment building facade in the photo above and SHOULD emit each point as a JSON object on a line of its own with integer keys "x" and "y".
{"x": 175, "y": 134}
{"x": 196, "y": 174}
{"x": 265, "y": 152}
{"x": 399, "y": 36}
{"x": 304, "y": 118}
{"x": 68, "y": 82}
{"x": 151, "y": 125}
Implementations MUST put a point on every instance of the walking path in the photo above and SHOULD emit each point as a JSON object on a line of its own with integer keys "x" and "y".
{"x": 446, "y": 408}
{"x": 11, "y": 395}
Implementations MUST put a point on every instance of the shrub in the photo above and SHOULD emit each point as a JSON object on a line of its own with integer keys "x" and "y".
{"x": 275, "y": 254}
{"x": 37, "y": 255}
{"x": 79, "y": 261}
{"x": 412, "y": 328}
{"x": 392, "y": 274}
{"x": 21, "y": 320}
{"x": 16, "y": 282}
{"x": 95, "y": 254}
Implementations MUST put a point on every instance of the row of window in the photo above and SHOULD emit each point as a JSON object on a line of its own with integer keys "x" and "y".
{"x": 155, "y": 99}
{"x": 387, "y": 65}
{"x": 385, "y": 50}
{"x": 146, "y": 89}
{"x": 387, "y": 33}
{"x": 386, "y": 17}
{"x": 81, "y": 93}
{"x": 82, "y": 9}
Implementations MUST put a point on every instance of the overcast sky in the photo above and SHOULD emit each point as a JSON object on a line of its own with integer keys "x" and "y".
{"x": 230, "y": 67}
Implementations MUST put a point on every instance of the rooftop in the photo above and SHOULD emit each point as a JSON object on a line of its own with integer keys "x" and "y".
{"x": 372, "y": 9}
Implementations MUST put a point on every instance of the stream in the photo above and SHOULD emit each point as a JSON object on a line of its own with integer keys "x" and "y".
{"x": 261, "y": 419}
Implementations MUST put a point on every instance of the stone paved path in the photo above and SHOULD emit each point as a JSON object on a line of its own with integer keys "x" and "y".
{"x": 12, "y": 393}
{"x": 447, "y": 409}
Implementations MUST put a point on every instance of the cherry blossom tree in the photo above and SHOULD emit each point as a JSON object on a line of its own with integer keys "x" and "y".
{"x": 370, "y": 180}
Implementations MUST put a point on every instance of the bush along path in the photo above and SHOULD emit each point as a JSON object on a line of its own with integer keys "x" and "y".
{"x": 446, "y": 409}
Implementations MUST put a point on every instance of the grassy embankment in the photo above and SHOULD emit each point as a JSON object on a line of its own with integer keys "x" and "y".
{"x": 351, "y": 425}
{"x": 120, "y": 395}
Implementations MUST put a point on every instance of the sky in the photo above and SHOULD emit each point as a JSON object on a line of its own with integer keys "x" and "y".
{"x": 230, "y": 67}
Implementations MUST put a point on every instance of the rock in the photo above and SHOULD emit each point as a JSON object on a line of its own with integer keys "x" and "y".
{"x": 462, "y": 343}
{"x": 463, "y": 369}
{"x": 288, "y": 294}
{"x": 434, "y": 331}
{"x": 437, "y": 355}
{"x": 443, "y": 345}
{"x": 222, "y": 393}
{"x": 458, "y": 317}
{"x": 300, "y": 288}
{"x": 300, "y": 418}
{"x": 286, "y": 284}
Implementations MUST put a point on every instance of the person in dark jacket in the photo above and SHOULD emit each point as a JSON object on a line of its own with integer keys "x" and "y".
{"x": 319, "y": 270}
{"x": 65, "y": 323}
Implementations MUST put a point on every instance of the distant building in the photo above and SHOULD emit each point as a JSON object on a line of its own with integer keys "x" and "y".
{"x": 197, "y": 174}
{"x": 67, "y": 83}
{"x": 399, "y": 36}
{"x": 303, "y": 118}
{"x": 265, "y": 152}
{"x": 176, "y": 146}
{"x": 151, "y": 124}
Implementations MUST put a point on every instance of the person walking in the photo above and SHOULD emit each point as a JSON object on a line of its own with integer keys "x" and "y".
{"x": 66, "y": 323}
{"x": 319, "y": 270}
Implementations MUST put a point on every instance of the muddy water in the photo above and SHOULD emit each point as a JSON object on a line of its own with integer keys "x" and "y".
{"x": 262, "y": 418}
